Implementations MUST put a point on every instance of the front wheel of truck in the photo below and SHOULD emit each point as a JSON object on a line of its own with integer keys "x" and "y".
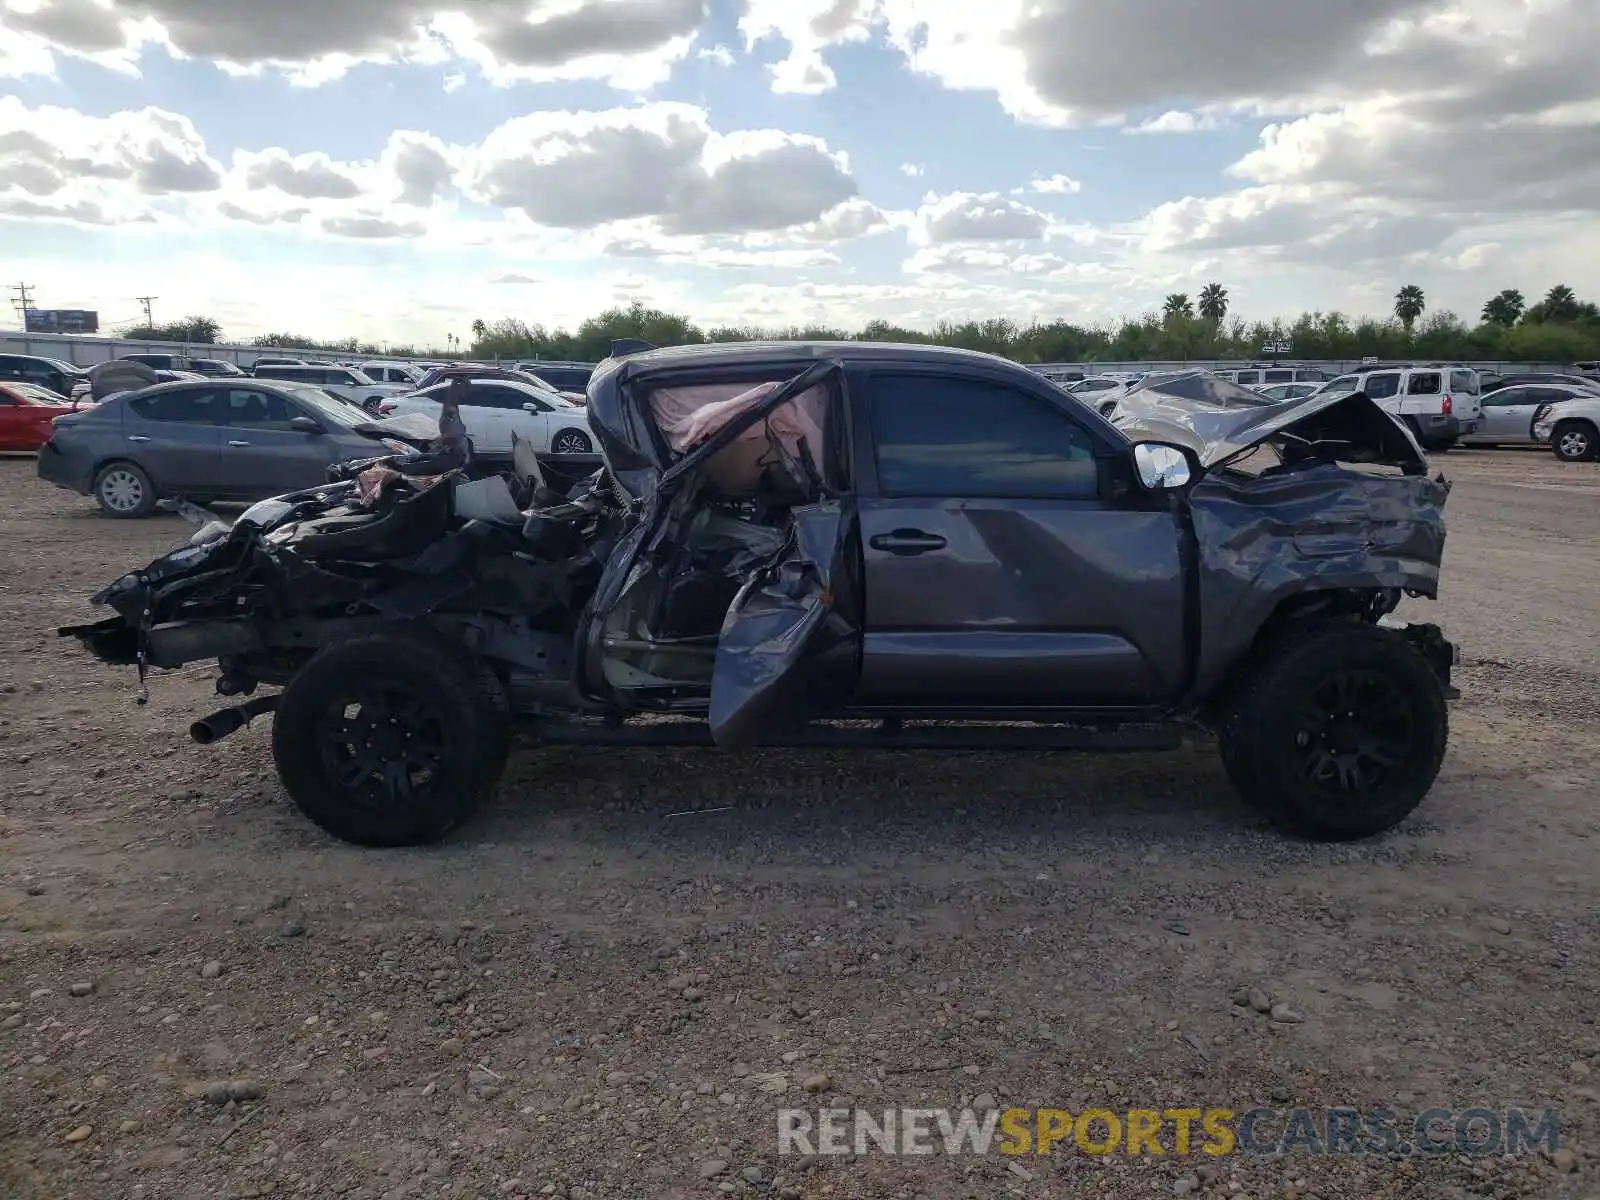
{"x": 392, "y": 739}
{"x": 1338, "y": 731}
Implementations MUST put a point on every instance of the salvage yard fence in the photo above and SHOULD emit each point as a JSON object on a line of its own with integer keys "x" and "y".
{"x": 84, "y": 350}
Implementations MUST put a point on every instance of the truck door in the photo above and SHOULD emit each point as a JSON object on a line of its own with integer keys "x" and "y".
{"x": 1001, "y": 569}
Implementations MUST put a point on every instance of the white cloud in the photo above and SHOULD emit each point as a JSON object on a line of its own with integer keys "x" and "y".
{"x": 718, "y": 55}
{"x": 912, "y": 170}
{"x": 1056, "y": 185}
{"x": 1174, "y": 121}
{"x": 306, "y": 176}
{"x": 973, "y": 217}
{"x": 630, "y": 43}
{"x": 808, "y": 26}
{"x": 139, "y": 156}
{"x": 661, "y": 161}
{"x": 372, "y": 225}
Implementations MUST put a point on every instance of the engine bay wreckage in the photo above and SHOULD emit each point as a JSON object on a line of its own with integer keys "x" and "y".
{"x": 710, "y": 584}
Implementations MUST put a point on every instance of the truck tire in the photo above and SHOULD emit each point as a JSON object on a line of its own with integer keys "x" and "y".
{"x": 393, "y": 739}
{"x": 1338, "y": 731}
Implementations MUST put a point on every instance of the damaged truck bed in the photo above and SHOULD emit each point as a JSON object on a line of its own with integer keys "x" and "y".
{"x": 819, "y": 544}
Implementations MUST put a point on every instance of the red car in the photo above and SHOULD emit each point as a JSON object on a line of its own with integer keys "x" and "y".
{"x": 26, "y": 413}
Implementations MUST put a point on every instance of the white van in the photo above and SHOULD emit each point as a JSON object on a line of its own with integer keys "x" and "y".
{"x": 1261, "y": 376}
{"x": 1440, "y": 404}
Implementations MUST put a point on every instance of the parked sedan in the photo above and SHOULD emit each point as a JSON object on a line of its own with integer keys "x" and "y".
{"x": 26, "y": 411}
{"x": 1509, "y": 412}
{"x": 204, "y": 441}
{"x": 497, "y": 408}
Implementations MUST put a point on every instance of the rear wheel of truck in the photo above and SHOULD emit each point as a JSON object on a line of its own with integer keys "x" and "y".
{"x": 392, "y": 739}
{"x": 1338, "y": 732}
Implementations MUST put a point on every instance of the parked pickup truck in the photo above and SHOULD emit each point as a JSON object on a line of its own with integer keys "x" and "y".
{"x": 839, "y": 545}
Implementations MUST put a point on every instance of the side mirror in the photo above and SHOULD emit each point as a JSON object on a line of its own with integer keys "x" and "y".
{"x": 304, "y": 425}
{"x": 530, "y": 406}
{"x": 1161, "y": 466}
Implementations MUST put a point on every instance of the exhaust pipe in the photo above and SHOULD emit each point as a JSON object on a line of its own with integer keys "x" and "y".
{"x": 229, "y": 720}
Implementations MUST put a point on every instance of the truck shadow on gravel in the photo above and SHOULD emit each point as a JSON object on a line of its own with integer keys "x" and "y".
{"x": 863, "y": 805}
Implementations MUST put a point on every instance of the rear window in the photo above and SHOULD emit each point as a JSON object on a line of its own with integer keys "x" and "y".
{"x": 191, "y": 407}
{"x": 1383, "y": 386}
{"x": 1465, "y": 382}
{"x": 1425, "y": 383}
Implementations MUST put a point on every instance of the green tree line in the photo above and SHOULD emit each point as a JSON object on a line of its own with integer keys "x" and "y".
{"x": 1558, "y": 328}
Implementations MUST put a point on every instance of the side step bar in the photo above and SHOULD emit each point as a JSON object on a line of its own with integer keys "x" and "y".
{"x": 881, "y": 737}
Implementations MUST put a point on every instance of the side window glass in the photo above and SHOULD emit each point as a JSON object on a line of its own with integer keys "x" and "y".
{"x": 943, "y": 436}
{"x": 248, "y": 408}
{"x": 192, "y": 407}
{"x": 1248, "y": 377}
{"x": 1278, "y": 376}
{"x": 490, "y": 396}
{"x": 1382, "y": 387}
{"x": 1424, "y": 383}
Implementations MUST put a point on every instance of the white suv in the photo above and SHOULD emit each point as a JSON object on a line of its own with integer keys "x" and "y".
{"x": 1440, "y": 404}
{"x": 1253, "y": 377}
{"x": 344, "y": 382}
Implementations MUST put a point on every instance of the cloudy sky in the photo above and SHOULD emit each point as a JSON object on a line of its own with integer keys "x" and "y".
{"x": 395, "y": 168}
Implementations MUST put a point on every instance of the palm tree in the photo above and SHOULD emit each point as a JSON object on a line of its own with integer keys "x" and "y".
{"x": 1177, "y": 305}
{"x": 1560, "y": 303}
{"x": 1214, "y": 302}
{"x": 1504, "y": 308}
{"x": 1409, "y": 303}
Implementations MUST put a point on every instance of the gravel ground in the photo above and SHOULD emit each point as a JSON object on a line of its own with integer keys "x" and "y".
{"x": 609, "y": 984}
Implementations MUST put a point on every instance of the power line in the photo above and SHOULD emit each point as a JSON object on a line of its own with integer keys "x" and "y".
{"x": 147, "y": 301}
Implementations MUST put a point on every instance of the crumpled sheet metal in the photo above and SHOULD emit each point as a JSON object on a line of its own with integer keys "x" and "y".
{"x": 795, "y": 610}
{"x": 1217, "y": 432}
{"x": 1262, "y": 540}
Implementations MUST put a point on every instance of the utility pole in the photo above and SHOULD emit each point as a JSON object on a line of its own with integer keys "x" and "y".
{"x": 22, "y": 301}
{"x": 147, "y": 301}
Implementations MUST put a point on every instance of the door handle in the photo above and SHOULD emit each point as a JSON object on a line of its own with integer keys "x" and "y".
{"x": 137, "y": 437}
{"x": 907, "y": 541}
{"x": 238, "y": 443}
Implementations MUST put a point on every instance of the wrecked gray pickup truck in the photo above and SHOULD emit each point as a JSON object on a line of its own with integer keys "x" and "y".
{"x": 839, "y": 545}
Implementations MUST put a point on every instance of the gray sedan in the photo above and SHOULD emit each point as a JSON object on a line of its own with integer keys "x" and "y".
{"x": 216, "y": 440}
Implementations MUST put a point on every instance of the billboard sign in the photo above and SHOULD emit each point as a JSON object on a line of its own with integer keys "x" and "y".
{"x": 61, "y": 320}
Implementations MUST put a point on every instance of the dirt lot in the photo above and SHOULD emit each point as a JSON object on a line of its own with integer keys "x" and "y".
{"x": 590, "y": 993}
